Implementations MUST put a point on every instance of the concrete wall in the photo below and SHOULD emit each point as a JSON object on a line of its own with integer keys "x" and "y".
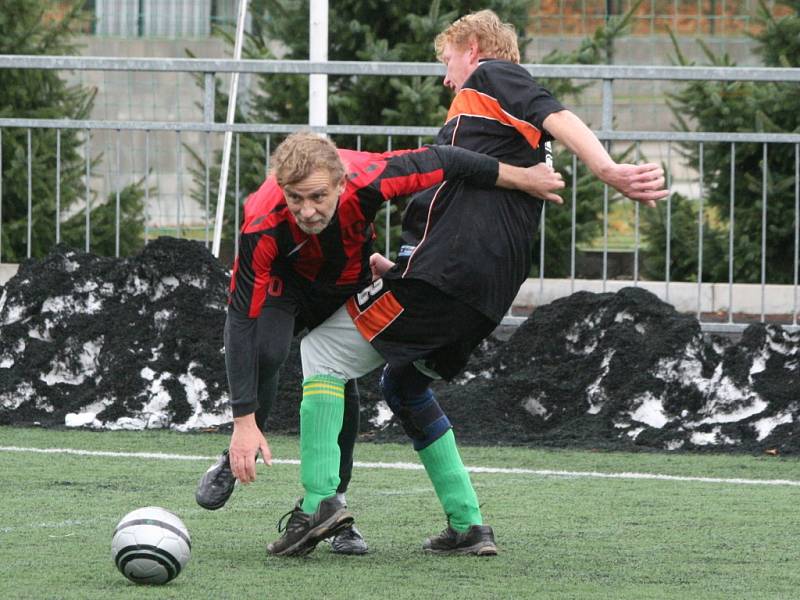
{"x": 713, "y": 297}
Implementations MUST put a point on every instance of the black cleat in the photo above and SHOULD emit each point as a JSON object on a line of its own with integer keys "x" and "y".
{"x": 349, "y": 541}
{"x": 216, "y": 485}
{"x": 304, "y": 531}
{"x": 477, "y": 540}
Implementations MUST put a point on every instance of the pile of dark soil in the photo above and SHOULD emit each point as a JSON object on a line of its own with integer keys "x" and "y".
{"x": 118, "y": 343}
{"x": 137, "y": 343}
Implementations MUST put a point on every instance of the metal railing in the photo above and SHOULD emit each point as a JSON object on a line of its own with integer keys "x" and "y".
{"x": 607, "y": 75}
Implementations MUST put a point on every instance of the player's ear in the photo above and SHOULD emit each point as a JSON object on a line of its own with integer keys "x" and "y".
{"x": 474, "y": 51}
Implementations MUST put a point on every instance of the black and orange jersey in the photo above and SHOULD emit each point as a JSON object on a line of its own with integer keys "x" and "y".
{"x": 336, "y": 260}
{"x": 481, "y": 252}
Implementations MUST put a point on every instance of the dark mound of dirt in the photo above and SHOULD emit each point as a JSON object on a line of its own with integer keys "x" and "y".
{"x": 133, "y": 342}
{"x": 136, "y": 343}
{"x": 626, "y": 370}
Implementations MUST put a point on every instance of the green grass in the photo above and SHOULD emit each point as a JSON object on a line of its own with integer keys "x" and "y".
{"x": 559, "y": 537}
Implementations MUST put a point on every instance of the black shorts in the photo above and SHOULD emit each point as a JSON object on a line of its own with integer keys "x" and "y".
{"x": 407, "y": 320}
{"x": 303, "y": 299}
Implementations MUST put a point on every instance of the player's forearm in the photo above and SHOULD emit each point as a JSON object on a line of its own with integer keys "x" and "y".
{"x": 240, "y": 362}
{"x": 511, "y": 177}
{"x": 568, "y": 129}
{"x": 459, "y": 163}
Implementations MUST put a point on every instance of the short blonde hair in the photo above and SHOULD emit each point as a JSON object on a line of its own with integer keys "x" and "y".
{"x": 495, "y": 39}
{"x": 302, "y": 153}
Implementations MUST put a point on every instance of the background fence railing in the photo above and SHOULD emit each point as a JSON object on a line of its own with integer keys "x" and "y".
{"x": 204, "y": 136}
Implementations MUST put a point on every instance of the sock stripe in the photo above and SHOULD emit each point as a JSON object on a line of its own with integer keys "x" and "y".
{"x": 323, "y": 394}
{"x": 324, "y": 387}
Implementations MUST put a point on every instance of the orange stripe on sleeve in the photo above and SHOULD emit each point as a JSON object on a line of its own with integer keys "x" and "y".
{"x": 472, "y": 103}
{"x": 376, "y": 317}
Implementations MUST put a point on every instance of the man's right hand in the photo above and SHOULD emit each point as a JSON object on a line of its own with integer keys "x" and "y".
{"x": 246, "y": 442}
{"x": 540, "y": 180}
{"x": 379, "y": 264}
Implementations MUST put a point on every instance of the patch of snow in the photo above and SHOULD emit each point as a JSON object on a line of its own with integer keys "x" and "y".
{"x": 196, "y": 393}
{"x": 534, "y": 407}
{"x": 155, "y": 353}
{"x": 650, "y": 411}
{"x": 60, "y": 373}
{"x": 765, "y": 426}
{"x": 674, "y": 445}
{"x": 165, "y": 286}
{"x": 384, "y": 414}
{"x": 623, "y": 316}
{"x": 198, "y": 282}
{"x": 42, "y": 331}
{"x": 573, "y": 335}
{"x": 135, "y": 286}
{"x": 731, "y": 404}
{"x": 14, "y": 314}
{"x": 595, "y": 395}
{"x": 713, "y": 437}
{"x": 759, "y": 364}
{"x": 13, "y": 400}
{"x": 161, "y": 319}
{"x": 700, "y": 438}
{"x": 82, "y": 420}
{"x": 88, "y": 286}
{"x": 72, "y": 305}
{"x": 88, "y": 416}
{"x": 70, "y": 266}
{"x": 634, "y": 433}
{"x": 3, "y": 299}
{"x": 465, "y": 377}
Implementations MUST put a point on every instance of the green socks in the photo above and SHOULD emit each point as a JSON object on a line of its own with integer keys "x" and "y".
{"x": 321, "y": 413}
{"x": 451, "y": 482}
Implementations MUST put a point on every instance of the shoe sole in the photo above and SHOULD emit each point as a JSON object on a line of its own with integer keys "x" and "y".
{"x": 349, "y": 552}
{"x": 216, "y": 506}
{"x": 334, "y": 524}
{"x": 481, "y": 549}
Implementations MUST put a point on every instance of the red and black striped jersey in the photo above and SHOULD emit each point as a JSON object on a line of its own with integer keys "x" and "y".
{"x": 336, "y": 260}
{"x": 481, "y": 253}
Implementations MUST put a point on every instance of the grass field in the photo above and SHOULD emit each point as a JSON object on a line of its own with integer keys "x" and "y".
{"x": 596, "y": 532}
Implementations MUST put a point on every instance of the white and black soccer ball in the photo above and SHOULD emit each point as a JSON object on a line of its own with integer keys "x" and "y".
{"x": 151, "y": 545}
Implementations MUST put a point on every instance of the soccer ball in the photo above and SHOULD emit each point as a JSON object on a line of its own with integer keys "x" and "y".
{"x": 151, "y": 545}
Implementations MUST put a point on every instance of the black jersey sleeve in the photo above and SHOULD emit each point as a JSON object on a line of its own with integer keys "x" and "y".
{"x": 420, "y": 169}
{"x": 409, "y": 172}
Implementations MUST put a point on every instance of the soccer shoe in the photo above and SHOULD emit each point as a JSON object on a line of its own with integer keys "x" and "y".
{"x": 303, "y": 531}
{"x": 478, "y": 540}
{"x": 349, "y": 541}
{"x": 216, "y": 485}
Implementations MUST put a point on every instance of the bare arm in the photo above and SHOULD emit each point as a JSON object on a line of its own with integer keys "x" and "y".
{"x": 539, "y": 180}
{"x": 643, "y": 183}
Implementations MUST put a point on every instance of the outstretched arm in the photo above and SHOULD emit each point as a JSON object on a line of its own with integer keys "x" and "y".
{"x": 643, "y": 183}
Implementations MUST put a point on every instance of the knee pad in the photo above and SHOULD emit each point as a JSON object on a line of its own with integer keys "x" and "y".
{"x": 422, "y": 418}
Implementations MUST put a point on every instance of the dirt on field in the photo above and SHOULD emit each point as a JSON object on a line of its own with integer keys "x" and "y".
{"x": 136, "y": 343}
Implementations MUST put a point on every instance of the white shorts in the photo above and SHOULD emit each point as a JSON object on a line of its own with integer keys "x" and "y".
{"x": 335, "y": 347}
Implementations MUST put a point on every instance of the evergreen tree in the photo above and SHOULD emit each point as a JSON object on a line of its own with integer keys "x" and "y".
{"x": 738, "y": 106}
{"x": 48, "y": 27}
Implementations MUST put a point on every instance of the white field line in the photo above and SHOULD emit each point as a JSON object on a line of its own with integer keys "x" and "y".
{"x": 403, "y": 466}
